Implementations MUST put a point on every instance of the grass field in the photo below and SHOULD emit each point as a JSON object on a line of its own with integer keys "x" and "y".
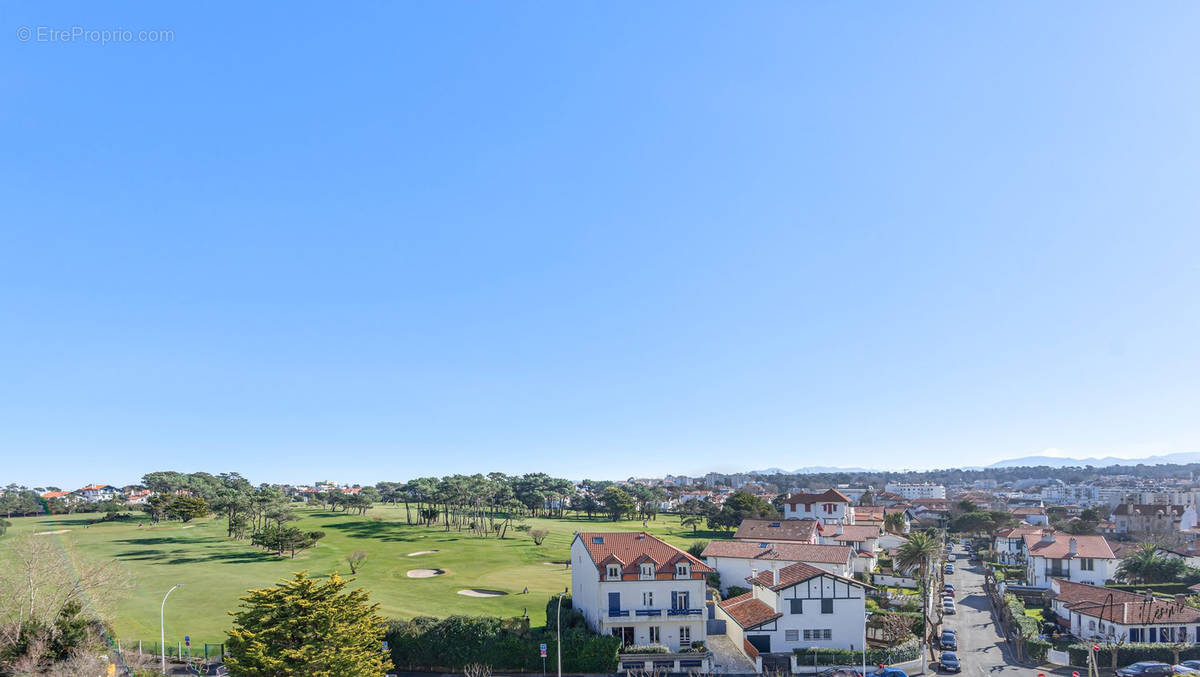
{"x": 216, "y": 570}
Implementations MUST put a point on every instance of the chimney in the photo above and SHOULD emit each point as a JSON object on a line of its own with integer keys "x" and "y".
{"x": 1073, "y": 547}
{"x": 774, "y": 575}
{"x": 1048, "y": 536}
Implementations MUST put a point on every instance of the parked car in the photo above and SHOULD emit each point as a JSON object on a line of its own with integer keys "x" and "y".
{"x": 948, "y": 587}
{"x": 949, "y": 569}
{"x": 948, "y": 640}
{"x": 950, "y": 557}
{"x": 1195, "y": 665}
{"x": 949, "y": 662}
{"x": 948, "y": 608}
{"x": 1145, "y": 669}
{"x": 1182, "y": 669}
{"x": 890, "y": 672}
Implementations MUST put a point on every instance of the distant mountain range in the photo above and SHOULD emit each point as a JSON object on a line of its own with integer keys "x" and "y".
{"x": 1057, "y": 462}
{"x": 1025, "y": 461}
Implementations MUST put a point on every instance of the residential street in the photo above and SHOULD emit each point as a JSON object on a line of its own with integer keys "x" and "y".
{"x": 981, "y": 647}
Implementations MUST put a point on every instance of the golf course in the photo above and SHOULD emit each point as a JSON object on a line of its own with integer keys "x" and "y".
{"x": 410, "y": 570}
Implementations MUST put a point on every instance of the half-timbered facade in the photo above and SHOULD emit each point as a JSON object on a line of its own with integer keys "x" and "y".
{"x": 799, "y": 606}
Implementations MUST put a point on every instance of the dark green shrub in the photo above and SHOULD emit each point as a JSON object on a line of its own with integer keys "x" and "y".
{"x": 735, "y": 590}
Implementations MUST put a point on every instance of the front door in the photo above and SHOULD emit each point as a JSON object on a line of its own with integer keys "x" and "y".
{"x": 685, "y": 638}
{"x": 760, "y": 642}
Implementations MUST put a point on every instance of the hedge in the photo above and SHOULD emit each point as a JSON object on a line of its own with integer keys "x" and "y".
{"x": 645, "y": 648}
{"x": 449, "y": 644}
{"x": 910, "y": 650}
{"x": 1036, "y": 648}
{"x": 1132, "y": 653}
{"x": 1028, "y": 627}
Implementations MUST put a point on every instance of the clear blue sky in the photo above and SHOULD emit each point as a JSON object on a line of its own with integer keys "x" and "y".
{"x": 595, "y": 239}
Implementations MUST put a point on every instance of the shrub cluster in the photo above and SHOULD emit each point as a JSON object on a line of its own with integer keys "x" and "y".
{"x": 1132, "y": 652}
{"x": 450, "y": 644}
{"x": 910, "y": 650}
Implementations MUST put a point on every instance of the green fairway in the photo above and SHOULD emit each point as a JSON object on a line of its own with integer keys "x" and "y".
{"x": 217, "y": 570}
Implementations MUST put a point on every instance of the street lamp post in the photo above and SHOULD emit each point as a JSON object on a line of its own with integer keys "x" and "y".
{"x": 162, "y": 627}
{"x": 558, "y": 632}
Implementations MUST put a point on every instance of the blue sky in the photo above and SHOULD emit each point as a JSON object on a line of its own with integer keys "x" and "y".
{"x": 385, "y": 240}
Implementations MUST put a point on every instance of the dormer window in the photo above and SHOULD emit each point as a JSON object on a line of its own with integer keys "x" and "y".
{"x": 614, "y": 572}
{"x": 646, "y": 571}
{"x": 683, "y": 570}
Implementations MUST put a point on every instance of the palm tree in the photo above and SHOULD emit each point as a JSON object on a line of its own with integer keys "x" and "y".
{"x": 894, "y": 523}
{"x": 1149, "y": 565}
{"x": 915, "y": 555}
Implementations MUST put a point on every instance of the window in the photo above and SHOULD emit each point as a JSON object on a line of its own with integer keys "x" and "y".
{"x": 826, "y": 606}
{"x": 1087, "y": 564}
{"x": 614, "y": 572}
{"x": 655, "y": 634}
{"x": 679, "y": 599}
{"x": 646, "y": 571}
{"x": 797, "y": 606}
{"x": 1135, "y": 634}
{"x": 685, "y": 637}
{"x": 682, "y": 570}
{"x": 1091, "y": 625}
{"x": 817, "y": 635}
{"x": 807, "y": 507}
{"x": 648, "y": 599}
{"x": 791, "y": 635}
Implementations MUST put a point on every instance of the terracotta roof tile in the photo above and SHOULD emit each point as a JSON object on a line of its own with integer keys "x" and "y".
{"x": 1122, "y": 607}
{"x": 793, "y": 574}
{"x": 749, "y": 612}
{"x": 1060, "y": 548}
{"x": 827, "y": 496}
{"x": 791, "y": 552}
{"x": 630, "y": 547}
{"x": 777, "y": 530}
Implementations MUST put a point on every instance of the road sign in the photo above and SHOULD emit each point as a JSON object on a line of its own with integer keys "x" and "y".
{"x": 543, "y": 648}
{"x": 187, "y": 640}
{"x": 385, "y": 645}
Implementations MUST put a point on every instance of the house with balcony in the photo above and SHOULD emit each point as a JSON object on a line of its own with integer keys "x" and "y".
{"x": 828, "y": 507}
{"x": 1076, "y": 559}
{"x": 639, "y": 589}
{"x": 1117, "y": 616}
{"x": 794, "y": 607}
{"x": 736, "y": 561}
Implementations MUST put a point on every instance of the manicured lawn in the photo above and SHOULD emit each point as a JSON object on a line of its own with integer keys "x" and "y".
{"x": 216, "y": 570}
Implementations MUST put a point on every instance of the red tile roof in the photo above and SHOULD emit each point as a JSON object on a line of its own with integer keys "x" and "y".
{"x": 852, "y": 532}
{"x": 1122, "y": 607}
{"x": 777, "y": 530}
{"x": 56, "y": 494}
{"x": 790, "y": 552}
{"x": 630, "y": 548}
{"x": 869, "y": 512}
{"x": 793, "y": 574}
{"x": 749, "y": 612}
{"x": 1022, "y": 512}
{"x": 827, "y": 496}
{"x": 1060, "y": 548}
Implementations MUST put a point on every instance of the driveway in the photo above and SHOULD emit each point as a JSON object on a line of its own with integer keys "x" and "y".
{"x": 728, "y": 659}
{"x": 981, "y": 647}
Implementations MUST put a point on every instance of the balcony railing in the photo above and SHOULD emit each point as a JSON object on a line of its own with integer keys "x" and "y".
{"x": 648, "y": 612}
{"x": 617, "y": 613}
{"x": 685, "y": 612}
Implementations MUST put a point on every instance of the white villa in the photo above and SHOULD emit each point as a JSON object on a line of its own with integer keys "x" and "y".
{"x": 1118, "y": 616}
{"x": 797, "y": 606}
{"x": 736, "y": 561}
{"x": 639, "y": 588}
{"x": 1079, "y": 559}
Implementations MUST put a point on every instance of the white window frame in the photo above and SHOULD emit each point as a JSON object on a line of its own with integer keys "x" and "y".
{"x": 685, "y": 637}
{"x": 648, "y": 599}
{"x": 613, "y": 572}
{"x": 655, "y": 634}
{"x": 646, "y": 572}
{"x": 683, "y": 570}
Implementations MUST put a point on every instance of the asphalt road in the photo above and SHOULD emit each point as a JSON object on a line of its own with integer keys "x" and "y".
{"x": 981, "y": 648}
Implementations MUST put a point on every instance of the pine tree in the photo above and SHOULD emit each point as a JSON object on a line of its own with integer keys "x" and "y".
{"x": 306, "y": 627}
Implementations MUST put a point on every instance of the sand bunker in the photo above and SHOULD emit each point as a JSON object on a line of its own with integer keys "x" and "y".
{"x": 424, "y": 573}
{"x": 190, "y": 526}
{"x": 421, "y": 552}
{"x": 475, "y": 592}
{"x": 555, "y": 564}
{"x": 51, "y": 533}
